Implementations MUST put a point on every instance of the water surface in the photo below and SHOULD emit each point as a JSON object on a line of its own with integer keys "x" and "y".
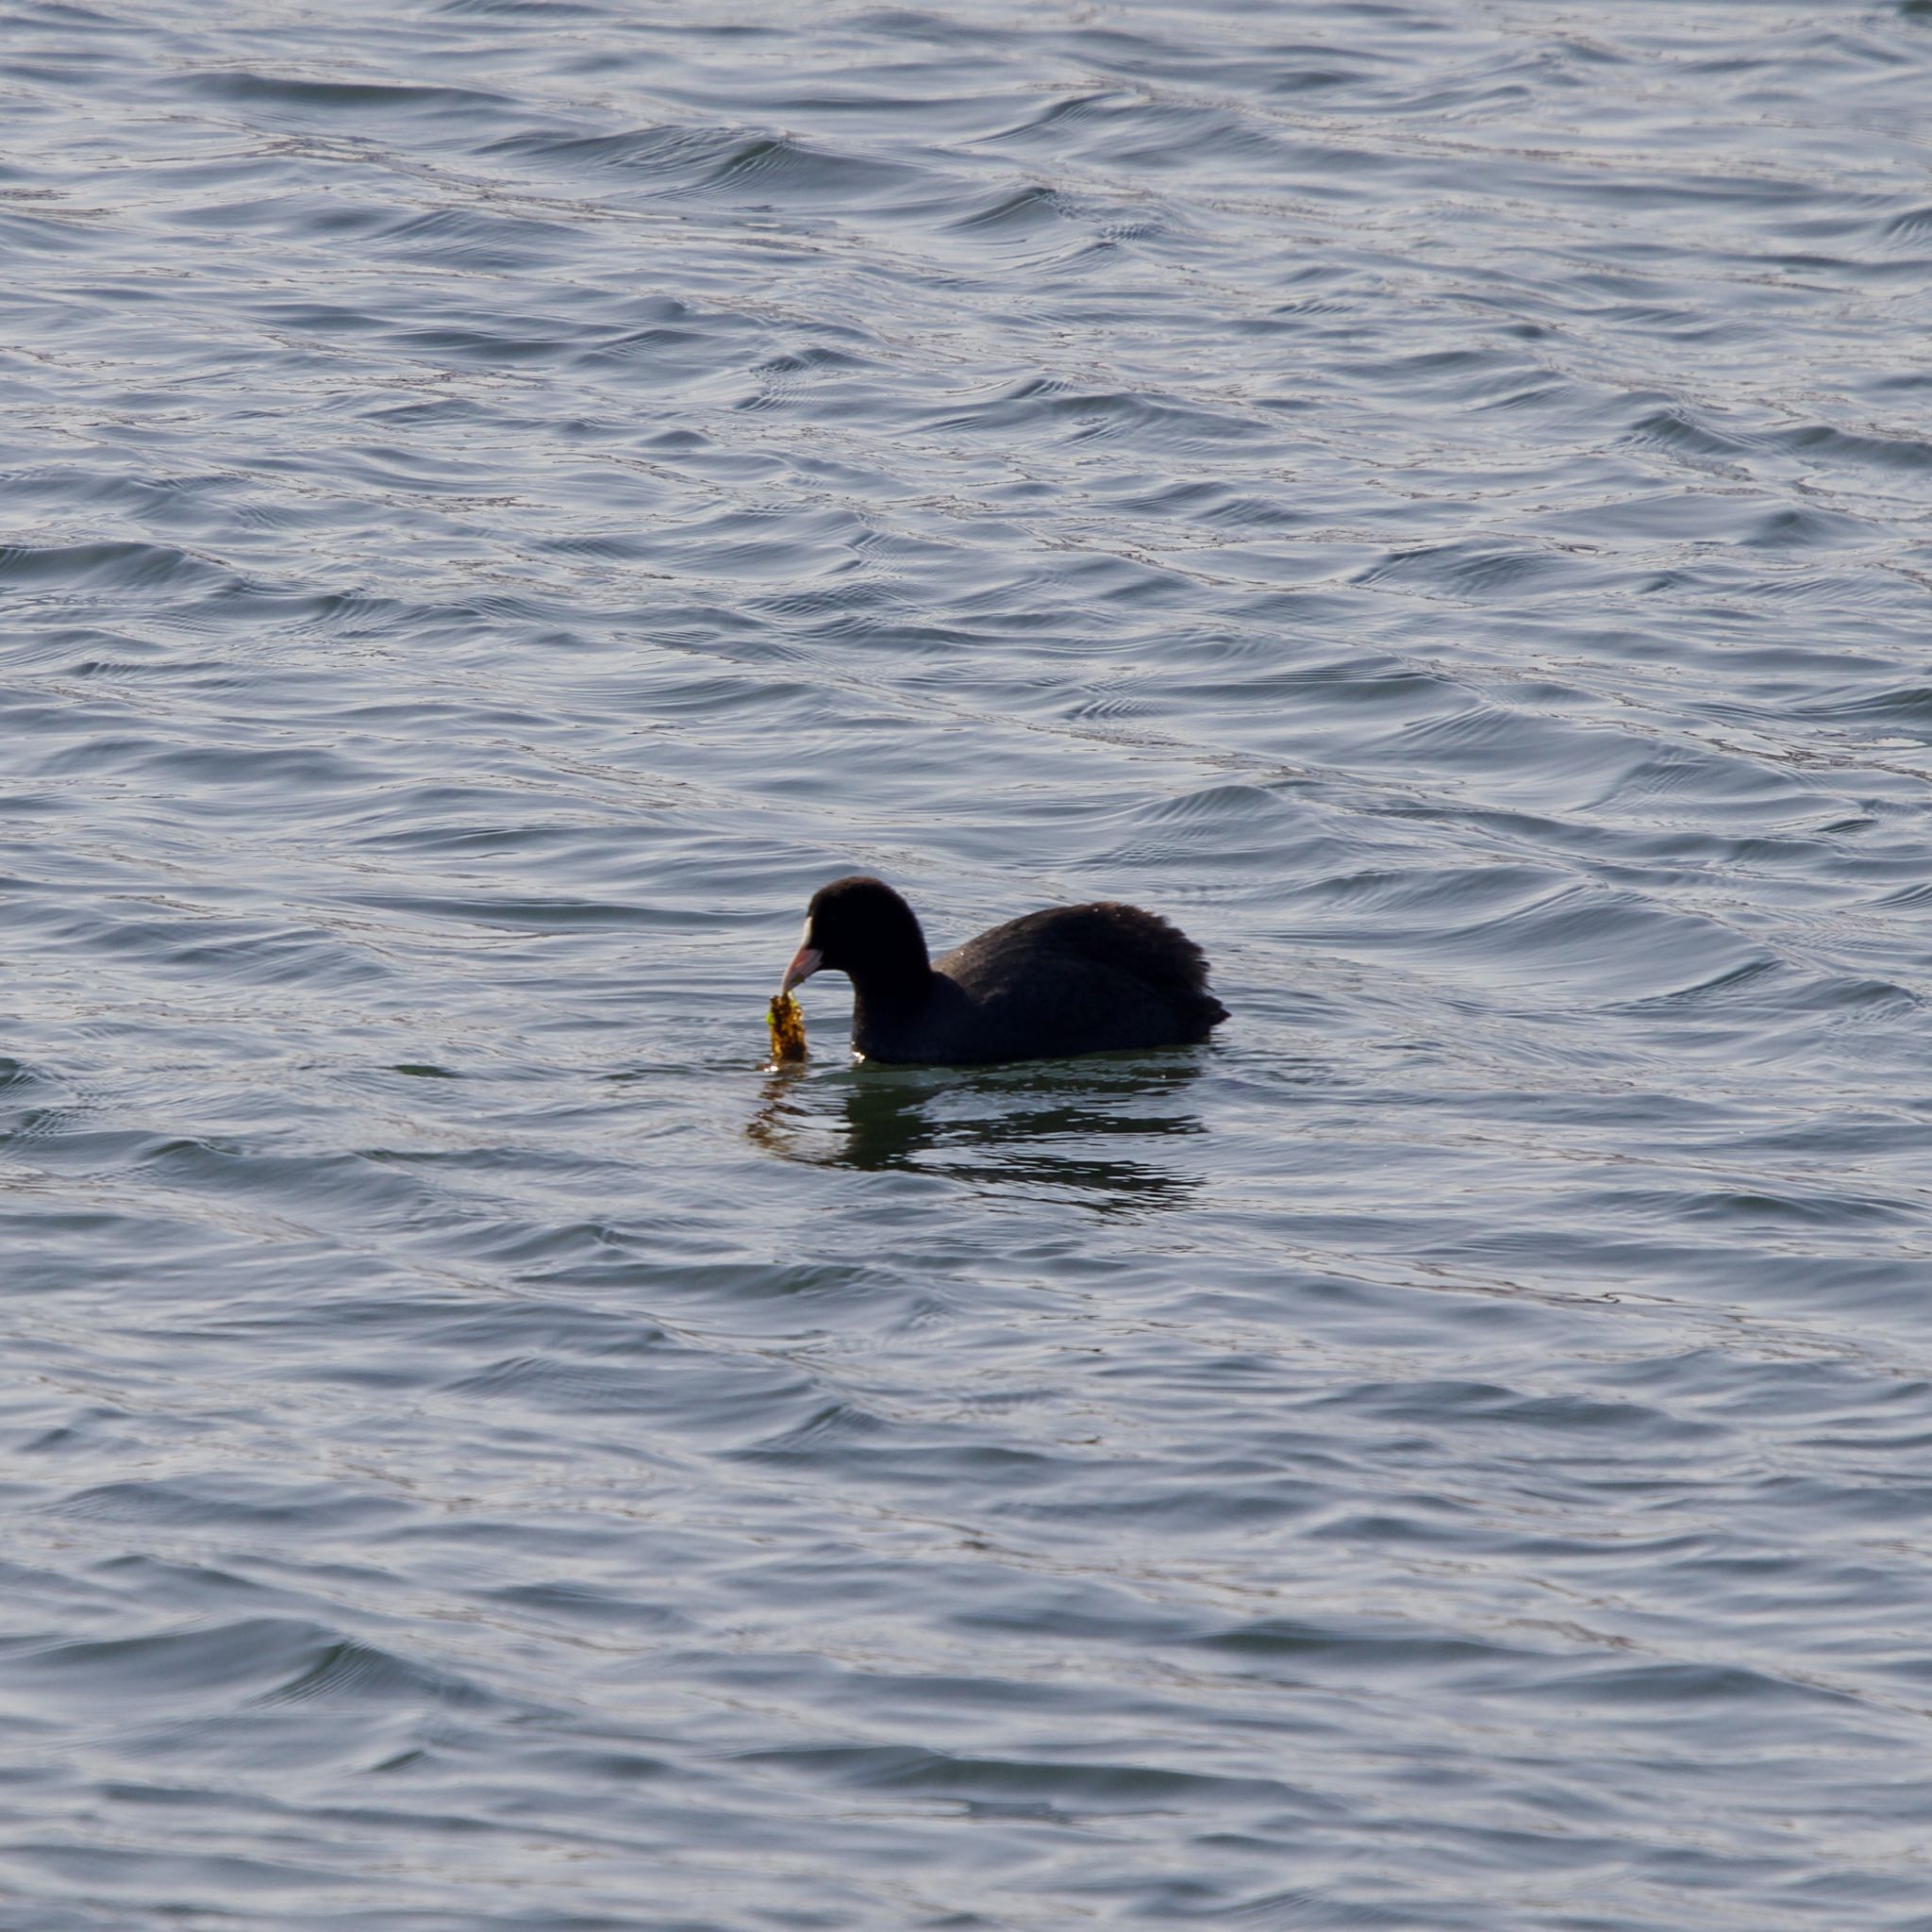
{"x": 500, "y": 501}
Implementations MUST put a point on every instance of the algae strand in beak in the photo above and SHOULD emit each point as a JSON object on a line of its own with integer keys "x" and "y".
{"x": 787, "y": 1022}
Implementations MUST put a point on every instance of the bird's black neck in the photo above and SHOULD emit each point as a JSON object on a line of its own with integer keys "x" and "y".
{"x": 894, "y": 983}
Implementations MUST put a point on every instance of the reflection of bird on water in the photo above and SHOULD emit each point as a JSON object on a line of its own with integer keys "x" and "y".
{"x": 993, "y": 1130}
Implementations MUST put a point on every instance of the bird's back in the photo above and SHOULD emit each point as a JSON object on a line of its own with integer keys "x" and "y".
{"x": 1104, "y": 935}
{"x": 1070, "y": 980}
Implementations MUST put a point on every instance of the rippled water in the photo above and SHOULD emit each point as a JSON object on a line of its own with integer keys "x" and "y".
{"x": 501, "y": 500}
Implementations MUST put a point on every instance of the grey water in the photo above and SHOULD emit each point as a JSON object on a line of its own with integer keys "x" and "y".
{"x": 499, "y": 501}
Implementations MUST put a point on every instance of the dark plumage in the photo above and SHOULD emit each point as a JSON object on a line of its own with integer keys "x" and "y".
{"x": 1070, "y": 980}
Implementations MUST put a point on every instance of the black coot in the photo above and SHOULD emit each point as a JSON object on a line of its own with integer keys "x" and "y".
{"x": 1073, "y": 979}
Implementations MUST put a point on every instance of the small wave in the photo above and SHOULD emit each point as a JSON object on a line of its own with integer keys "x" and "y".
{"x": 1682, "y": 431}
{"x": 1086, "y": 417}
{"x": 1021, "y": 211}
{"x": 257, "y": 1662}
{"x": 771, "y": 169}
{"x": 1468, "y": 569}
{"x": 1372, "y": 1650}
{"x": 44, "y": 231}
{"x": 343, "y": 1672}
{"x": 1687, "y": 1686}
{"x": 472, "y": 237}
{"x": 1910, "y": 453}
{"x": 358, "y": 97}
{"x": 1913, "y": 226}
{"x": 1807, "y": 527}
{"x": 656, "y": 151}
{"x": 511, "y": 9}
{"x": 1056, "y": 1782}
{"x": 120, "y": 566}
